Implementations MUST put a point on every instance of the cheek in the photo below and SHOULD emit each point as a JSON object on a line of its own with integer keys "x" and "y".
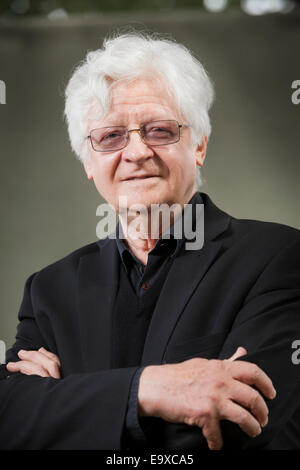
{"x": 189, "y": 161}
{"x": 103, "y": 171}
{"x": 183, "y": 164}
{"x": 104, "y": 185}
{"x": 104, "y": 174}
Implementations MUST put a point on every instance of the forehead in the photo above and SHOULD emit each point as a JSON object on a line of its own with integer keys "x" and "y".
{"x": 141, "y": 99}
{"x": 137, "y": 91}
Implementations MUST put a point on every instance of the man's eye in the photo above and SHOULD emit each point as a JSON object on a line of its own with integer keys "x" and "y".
{"x": 159, "y": 130}
{"x": 111, "y": 136}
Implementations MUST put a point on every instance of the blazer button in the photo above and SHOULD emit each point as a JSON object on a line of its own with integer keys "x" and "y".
{"x": 146, "y": 285}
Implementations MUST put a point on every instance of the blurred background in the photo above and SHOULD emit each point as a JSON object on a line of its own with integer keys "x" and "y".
{"x": 48, "y": 207}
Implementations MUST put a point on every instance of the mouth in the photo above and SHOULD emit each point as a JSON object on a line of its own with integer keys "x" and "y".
{"x": 139, "y": 178}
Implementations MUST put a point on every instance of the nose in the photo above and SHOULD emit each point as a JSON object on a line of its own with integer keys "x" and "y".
{"x": 136, "y": 149}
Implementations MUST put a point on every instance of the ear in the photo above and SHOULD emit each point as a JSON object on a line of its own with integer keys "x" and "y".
{"x": 88, "y": 170}
{"x": 200, "y": 152}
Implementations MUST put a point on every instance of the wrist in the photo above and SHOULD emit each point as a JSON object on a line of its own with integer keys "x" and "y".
{"x": 148, "y": 391}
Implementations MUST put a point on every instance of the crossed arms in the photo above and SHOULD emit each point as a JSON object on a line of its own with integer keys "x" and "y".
{"x": 197, "y": 392}
{"x": 87, "y": 410}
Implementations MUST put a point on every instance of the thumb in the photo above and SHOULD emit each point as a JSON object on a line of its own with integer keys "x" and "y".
{"x": 238, "y": 353}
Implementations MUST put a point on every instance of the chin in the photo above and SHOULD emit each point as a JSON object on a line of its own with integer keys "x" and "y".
{"x": 140, "y": 197}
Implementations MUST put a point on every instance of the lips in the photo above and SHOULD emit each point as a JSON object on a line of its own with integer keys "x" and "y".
{"x": 140, "y": 177}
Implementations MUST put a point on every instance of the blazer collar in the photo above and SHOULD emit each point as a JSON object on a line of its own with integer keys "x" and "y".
{"x": 216, "y": 221}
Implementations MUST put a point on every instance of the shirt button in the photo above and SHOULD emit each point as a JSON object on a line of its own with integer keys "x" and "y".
{"x": 146, "y": 285}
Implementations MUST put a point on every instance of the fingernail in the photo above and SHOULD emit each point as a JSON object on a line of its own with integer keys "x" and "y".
{"x": 273, "y": 394}
{"x": 265, "y": 422}
{"x": 22, "y": 351}
{"x": 12, "y": 365}
{"x": 258, "y": 433}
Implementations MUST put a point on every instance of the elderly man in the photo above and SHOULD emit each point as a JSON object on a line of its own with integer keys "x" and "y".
{"x": 142, "y": 340}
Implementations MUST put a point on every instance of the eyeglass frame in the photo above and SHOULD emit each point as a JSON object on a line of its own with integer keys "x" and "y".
{"x": 180, "y": 126}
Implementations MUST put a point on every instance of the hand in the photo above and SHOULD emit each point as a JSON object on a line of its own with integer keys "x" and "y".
{"x": 41, "y": 362}
{"x": 201, "y": 392}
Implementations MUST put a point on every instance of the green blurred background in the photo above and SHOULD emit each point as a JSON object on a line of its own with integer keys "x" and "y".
{"x": 48, "y": 207}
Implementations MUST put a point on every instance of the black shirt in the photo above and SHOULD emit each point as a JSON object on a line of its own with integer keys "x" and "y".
{"x": 139, "y": 289}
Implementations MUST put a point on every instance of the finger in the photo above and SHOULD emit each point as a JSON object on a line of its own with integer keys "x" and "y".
{"x": 251, "y": 374}
{"x": 212, "y": 433}
{"x": 42, "y": 360}
{"x": 251, "y": 399}
{"x": 241, "y": 351}
{"x": 50, "y": 355}
{"x": 28, "y": 368}
{"x": 235, "y": 413}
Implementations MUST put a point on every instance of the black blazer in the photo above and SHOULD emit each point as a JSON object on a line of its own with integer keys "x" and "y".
{"x": 241, "y": 289}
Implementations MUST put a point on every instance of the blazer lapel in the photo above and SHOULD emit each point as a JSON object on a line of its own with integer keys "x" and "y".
{"x": 98, "y": 281}
{"x": 185, "y": 274}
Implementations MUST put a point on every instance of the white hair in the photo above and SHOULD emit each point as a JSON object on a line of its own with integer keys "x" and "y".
{"x": 127, "y": 57}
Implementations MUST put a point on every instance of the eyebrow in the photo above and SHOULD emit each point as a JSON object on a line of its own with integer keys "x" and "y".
{"x": 151, "y": 118}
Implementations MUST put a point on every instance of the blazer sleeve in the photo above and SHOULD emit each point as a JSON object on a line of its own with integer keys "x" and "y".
{"x": 266, "y": 325}
{"x": 80, "y": 411}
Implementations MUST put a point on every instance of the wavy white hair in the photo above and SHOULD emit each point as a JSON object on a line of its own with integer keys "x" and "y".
{"x": 127, "y": 57}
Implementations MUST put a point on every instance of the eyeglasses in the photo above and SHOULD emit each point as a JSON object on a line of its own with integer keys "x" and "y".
{"x": 154, "y": 134}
